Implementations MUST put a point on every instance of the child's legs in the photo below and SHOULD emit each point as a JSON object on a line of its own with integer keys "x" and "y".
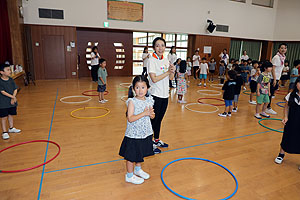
{"x": 3, "y": 123}
{"x": 204, "y": 78}
{"x": 180, "y": 97}
{"x": 266, "y": 101}
{"x": 258, "y": 106}
{"x": 230, "y": 108}
{"x": 236, "y": 100}
{"x": 11, "y": 121}
{"x": 282, "y": 151}
{"x": 265, "y": 107}
{"x": 129, "y": 166}
{"x": 102, "y": 95}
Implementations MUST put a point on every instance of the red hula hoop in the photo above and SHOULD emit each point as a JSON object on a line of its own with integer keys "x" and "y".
{"x": 23, "y": 170}
{"x": 199, "y": 101}
{"x": 92, "y": 95}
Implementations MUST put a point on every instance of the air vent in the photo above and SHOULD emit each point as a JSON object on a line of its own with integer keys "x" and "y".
{"x": 222, "y": 28}
{"x": 51, "y": 13}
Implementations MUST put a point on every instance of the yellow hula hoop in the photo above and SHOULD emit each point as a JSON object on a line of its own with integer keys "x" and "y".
{"x": 72, "y": 113}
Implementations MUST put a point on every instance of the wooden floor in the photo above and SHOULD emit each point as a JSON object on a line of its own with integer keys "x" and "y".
{"x": 89, "y": 166}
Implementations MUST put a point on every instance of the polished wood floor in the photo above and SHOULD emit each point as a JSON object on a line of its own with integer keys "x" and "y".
{"x": 89, "y": 166}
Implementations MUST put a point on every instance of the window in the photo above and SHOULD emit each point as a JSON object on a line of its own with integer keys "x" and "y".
{"x": 266, "y": 3}
{"x": 152, "y": 36}
{"x": 137, "y": 53}
{"x": 139, "y": 38}
{"x": 170, "y": 39}
{"x": 182, "y": 40}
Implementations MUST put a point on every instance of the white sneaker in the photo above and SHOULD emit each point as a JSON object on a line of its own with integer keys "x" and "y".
{"x": 183, "y": 101}
{"x": 105, "y": 100}
{"x": 252, "y": 102}
{"x": 142, "y": 174}
{"x": 234, "y": 110}
{"x": 223, "y": 114}
{"x": 14, "y": 130}
{"x": 204, "y": 85}
{"x": 199, "y": 84}
{"x": 134, "y": 179}
{"x": 5, "y": 136}
{"x": 271, "y": 111}
{"x": 278, "y": 160}
{"x": 101, "y": 101}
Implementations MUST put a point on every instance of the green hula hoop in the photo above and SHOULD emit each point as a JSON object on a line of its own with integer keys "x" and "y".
{"x": 123, "y": 89}
{"x": 247, "y": 92}
{"x": 269, "y": 127}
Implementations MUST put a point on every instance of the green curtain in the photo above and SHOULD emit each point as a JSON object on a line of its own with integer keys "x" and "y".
{"x": 253, "y": 49}
{"x": 293, "y": 51}
{"x": 235, "y": 47}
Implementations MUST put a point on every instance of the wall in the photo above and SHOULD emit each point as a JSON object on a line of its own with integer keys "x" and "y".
{"x": 287, "y": 21}
{"x": 189, "y": 16}
{"x": 69, "y": 34}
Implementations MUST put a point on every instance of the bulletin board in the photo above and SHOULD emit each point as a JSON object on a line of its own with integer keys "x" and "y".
{"x": 125, "y": 11}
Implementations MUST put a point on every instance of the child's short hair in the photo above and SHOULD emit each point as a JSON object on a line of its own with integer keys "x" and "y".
{"x": 287, "y": 61}
{"x": 232, "y": 59}
{"x": 156, "y": 39}
{"x": 2, "y": 66}
{"x": 182, "y": 67}
{"x": 266, "y": 65}
{"x": 212, "y": 59}
{"x": 237, "y": 68}
{"x": 232, "y": 74}
{"x": 203, "y": 58}
{"x": 222, "y": 61}
{"x": 296, "y": 63}
{"x": 196, "y": 50}
{"x": 101, "y": 60}
{"x": 254, "y": 62}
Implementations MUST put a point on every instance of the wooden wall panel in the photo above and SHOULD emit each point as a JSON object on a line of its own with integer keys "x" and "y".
{"x": 106, "y": 48}
{"x": 69, "y": 34}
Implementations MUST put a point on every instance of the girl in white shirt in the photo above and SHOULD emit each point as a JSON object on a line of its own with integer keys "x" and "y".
{"x": 224, "y": 56}
{"x": 145, "y": 58}
{"x": 172, "y": 57}
{"x": 95, "y": 63}
{"x": 244, "y": 56}
{"x": 160, "y": 72}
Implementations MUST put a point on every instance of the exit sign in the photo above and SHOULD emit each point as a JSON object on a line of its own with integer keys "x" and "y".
{"x": 106, "y": 24}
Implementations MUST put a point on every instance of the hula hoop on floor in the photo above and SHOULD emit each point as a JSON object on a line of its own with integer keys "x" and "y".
{"x": 93, "y": 95}
{"x": 269, "y": 127}
{"x": 202, "y": 159}
{"x": 247, "y": 92}
{"x": 75, "y": 102}
{"x": 123, "y": 89}
{"x": 96, "y": 117}
{"x": 30, "y": 168}
{"x": 281, "y": 102}
{"x": 203, "y": 92}
{"x": 218, "y": 86}
{"x": 187, "y": 107}
{"x": 199, "y": 101}
{"x": 123, "y": 98}
{"x": 127, "y": 85}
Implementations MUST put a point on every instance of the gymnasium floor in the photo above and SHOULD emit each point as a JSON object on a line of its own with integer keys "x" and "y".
{"x": 89, "y": 166}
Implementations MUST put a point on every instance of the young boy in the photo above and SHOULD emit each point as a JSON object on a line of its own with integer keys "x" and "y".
{"x": 203, "y": 68}
{"x": 263, "y": 90}
{"x": 8, "y": 101}
{"x": 294, "y": 74}
{"x": 102, "y": 81}
{"x": 230, "y": 65}
{"x": 228, "y": 93}
{"x": 245, "y": 71}
{"x": 222, "y": 71}
{"x": 253, "y": 84}
{"x": 237, "y": 89}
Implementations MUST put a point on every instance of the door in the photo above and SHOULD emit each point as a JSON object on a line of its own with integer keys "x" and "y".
{"x": 54, "y": 56}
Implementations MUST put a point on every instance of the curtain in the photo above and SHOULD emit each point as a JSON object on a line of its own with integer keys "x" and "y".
{"x": 293, "y": 51}
{"x": 253, "y": 49}
{"x": 5, "y": 42}
{"x": 235, "y": 48}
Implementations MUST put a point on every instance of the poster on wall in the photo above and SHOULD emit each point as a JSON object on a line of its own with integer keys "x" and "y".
{"x": 125, "y": 11}
{"x": 207, "y": 49}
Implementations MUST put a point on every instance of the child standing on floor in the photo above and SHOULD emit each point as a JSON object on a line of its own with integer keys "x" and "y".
{"x": 222, "y": 71}
{"x": 203, "y": 68}
{"x": 255, "y": 71}
{"x": 228, "y": 93}
{"x": 212, "y": 69}
{"x": 238, "y": 86}
{"x": 189, "y": 67}
{"x": 181, "y": 81}
{"x": 8, "y": 101}
{"x": 102, "y": 80}
{"x": 294, "y": 74}
{"x": 137, "y": 142}
{"x": 291, "y": 137}
{"x": 285, "y": 73}
{"x": 245, "y": 72}
{"x": 263, "y": 90}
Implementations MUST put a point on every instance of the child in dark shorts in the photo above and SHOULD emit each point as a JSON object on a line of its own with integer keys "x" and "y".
{"x": 102, "y": 81}
{"x": 8, "y": 101}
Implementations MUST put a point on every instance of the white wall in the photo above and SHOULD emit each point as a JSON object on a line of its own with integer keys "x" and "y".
{"x": 287, "y": 21}
{"x": 173, "y": 16}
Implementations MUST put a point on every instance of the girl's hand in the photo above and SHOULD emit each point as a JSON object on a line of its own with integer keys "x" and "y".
{"x": 147, "y": 111}
{"x": 284, "y": 121}
{"x": 171, "y": 68}
{"x": 13, "y": 101}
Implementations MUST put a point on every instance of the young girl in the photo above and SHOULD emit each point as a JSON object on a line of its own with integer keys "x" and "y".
{"x": 291, "y": 137}
{"x": 203, "y": 68}
{"x": 137, "y": 142}
{"x": 189, "y": 67}
{"x": 172, "y": 57}
{"x": 212, "y": 69}
{"x": 145, "y": 58}
{"x": 285, "y": 73}
{"x": 253, "y": 84}
{"x": 181, "y": 80}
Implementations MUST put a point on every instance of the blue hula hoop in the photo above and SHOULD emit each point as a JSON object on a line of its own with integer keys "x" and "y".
{"x": 203, "y": 159}
{"x": 281, "y": 102}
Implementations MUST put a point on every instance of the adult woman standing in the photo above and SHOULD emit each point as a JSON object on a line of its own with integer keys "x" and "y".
{"x": 95, "y": 63}
{"x": 145, "y": 58}
{"x": 172, "y": 57}
{"x": 224, "y": 56}
{"x": 160, "y": 72}
{"x": 244, "y": 56}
